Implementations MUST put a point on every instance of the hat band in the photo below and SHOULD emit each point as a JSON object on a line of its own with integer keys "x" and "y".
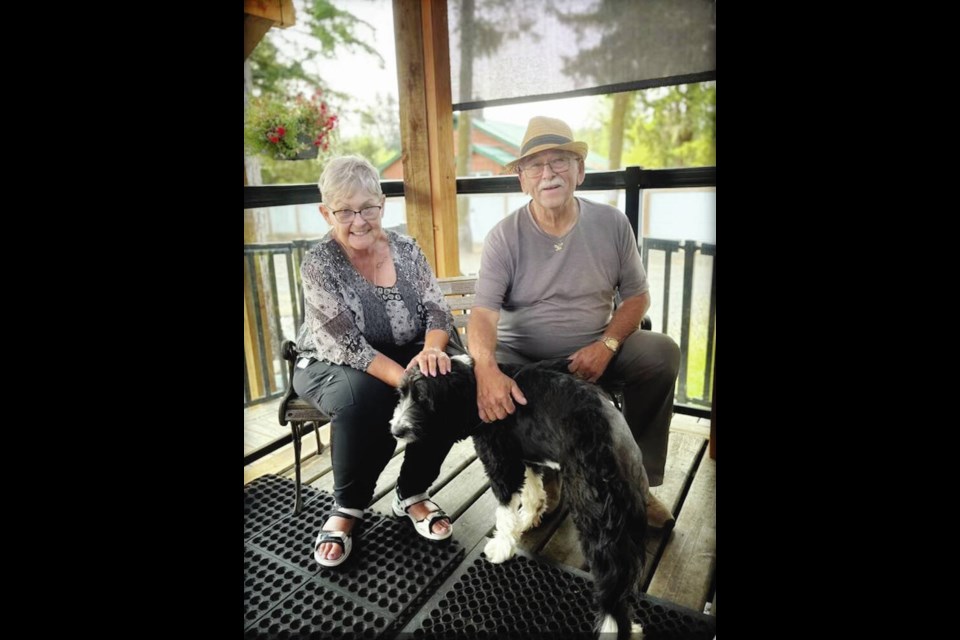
{"x": 549, "y": 138}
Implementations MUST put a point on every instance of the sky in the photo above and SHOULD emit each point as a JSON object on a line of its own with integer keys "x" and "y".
{"x": 359, "y": 75}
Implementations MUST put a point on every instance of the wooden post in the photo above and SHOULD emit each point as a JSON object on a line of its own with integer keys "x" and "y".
{"x": 426, "y": 130}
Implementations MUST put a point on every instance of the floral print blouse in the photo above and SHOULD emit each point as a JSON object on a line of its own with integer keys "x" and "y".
{"x": 347, "y": 316}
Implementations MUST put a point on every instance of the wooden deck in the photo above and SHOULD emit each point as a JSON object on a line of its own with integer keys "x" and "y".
{"x": 680, "y": 568}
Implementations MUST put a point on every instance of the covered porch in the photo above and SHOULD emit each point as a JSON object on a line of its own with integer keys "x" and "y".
{"x": 679, "y": 582}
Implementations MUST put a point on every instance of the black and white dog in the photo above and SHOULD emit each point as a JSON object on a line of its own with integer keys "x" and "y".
{"x": 566, "y": 424}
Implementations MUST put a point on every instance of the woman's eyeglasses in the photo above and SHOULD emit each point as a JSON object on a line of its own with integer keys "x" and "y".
{"x": 367, "y": 213}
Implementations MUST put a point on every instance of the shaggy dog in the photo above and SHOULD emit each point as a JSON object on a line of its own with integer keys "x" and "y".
{"x": 566, "y": 424}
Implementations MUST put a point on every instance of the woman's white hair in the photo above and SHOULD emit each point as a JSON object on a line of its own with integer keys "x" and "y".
{"x": 345, "y": 176}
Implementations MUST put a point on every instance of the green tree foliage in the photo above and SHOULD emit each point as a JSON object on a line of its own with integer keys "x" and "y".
{"x": 332, "y": 29}
{"x": 273, "y": 171}
{"x": 607, "y": 32}
{"x": 380, "y": 126}
{"x": 268, "y": 74}
{"x": 674, "y": 127}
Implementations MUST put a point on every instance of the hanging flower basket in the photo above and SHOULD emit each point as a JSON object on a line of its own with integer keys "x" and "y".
{"x": 288, "y": 128}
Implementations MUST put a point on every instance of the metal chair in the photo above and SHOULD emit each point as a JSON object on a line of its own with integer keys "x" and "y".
{"x": 299, "y": 413}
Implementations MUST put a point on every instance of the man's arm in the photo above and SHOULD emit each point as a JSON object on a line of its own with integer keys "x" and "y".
{"x": 591, "y": 361}
{"x": 496, "y": 392}
{"x": 628, "y": 316}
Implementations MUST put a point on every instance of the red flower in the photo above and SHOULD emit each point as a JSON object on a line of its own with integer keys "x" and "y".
{"x": 281, "y": 131}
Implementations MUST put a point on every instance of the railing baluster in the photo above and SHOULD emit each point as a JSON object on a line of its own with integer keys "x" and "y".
{"x": 258, "y": 321}
{"x": 667, "y": 268}
{"x": 294, "y": 289}
{"x": 689, "y": 255}
{"x": 246, "y": 383}
{"x": 275, "y": 308}
{"x": 711, "y": 250}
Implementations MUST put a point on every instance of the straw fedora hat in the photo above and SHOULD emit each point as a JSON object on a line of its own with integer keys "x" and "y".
{"x": 546, "y": 133}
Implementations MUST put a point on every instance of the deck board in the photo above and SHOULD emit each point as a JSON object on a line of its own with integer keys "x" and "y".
{"x": 689, "y": 561}
{"x": 683, "y": 454}
{"x": 477, "y": 521}
{"x": 281, "y": 461}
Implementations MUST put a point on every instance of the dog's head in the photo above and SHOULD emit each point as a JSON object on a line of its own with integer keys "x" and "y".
{"x": 444, "y": 406}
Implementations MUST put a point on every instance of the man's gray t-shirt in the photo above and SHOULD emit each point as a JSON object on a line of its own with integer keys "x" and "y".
{"x": 553, "y": 302}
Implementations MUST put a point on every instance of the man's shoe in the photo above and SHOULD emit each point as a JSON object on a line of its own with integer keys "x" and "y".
{"x": 658, "y": 515}
{"x": 553, "y": 488}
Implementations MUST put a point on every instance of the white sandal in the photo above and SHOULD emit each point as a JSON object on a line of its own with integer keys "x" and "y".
{"x": 343, "y": 538}
{"x": 423, "y": 527}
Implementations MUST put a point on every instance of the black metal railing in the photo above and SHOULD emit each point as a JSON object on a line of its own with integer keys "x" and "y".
{"x": 269, "y": 292}
{"x": 688, "y": 250}
{"x": 266, "y": 289}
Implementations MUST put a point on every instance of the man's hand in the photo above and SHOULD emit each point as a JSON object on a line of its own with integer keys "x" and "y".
{"x": 591, "y": 361}
{"x": 496, "y": 393}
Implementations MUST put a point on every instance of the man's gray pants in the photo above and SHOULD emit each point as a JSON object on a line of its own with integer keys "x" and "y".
{"x": 645, "y": 370}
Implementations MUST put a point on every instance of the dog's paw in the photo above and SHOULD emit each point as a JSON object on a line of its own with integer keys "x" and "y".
{"x": 498, "y": 550}
{"x": 636, "y": 631}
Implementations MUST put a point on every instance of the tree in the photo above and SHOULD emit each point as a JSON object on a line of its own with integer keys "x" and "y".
{"x": 675, "y": 127}
{"x": 614, "y": 27}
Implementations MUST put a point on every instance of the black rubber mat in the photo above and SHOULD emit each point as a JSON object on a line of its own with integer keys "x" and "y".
{"x": 530, "y": 597}
{"x": 391, "y": 572}
{"x": 267, "y": 500}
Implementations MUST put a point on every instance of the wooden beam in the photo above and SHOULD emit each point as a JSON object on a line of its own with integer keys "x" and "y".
{"x": 426, "y": 130}
{"x": 260, "y": 15}
{"x": 254, "y": 29}
{"x": 279, "y": 12}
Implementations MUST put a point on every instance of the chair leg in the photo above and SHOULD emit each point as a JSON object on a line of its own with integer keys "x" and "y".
{"x": 296, "y": 429}
{"x": 316, "y": 430}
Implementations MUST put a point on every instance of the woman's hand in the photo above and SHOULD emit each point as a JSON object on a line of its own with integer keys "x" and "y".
{"x": 431, "y": 361}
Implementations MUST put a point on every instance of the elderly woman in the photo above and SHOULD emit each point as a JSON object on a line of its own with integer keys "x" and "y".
{"x": 373, "y": 308}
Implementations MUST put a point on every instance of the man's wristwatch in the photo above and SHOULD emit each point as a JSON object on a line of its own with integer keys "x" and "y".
{"x": 610, "y": 343}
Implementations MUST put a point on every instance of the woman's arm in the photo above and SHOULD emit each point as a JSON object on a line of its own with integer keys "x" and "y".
{"x": 385, "y": 369}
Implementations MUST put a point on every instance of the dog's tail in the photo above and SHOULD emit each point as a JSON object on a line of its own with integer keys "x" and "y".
{"x": 618, "y": 624}
{"x": 610, "y": 518}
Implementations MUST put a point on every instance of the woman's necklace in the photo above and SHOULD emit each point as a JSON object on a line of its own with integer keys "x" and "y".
{"x": 379, "y": 263}
{"x": 376, "y": 271}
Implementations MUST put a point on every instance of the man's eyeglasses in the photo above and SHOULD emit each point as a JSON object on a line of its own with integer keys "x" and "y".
{"x": 367, "y": 213}
{"x": 559, "y": 165}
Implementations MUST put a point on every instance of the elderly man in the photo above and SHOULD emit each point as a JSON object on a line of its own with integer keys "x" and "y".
{"x": 548, "y": 277}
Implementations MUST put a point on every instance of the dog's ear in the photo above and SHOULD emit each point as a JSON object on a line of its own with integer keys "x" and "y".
{"x": 421, "y": 393}
{"x": 405, "y": 379}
